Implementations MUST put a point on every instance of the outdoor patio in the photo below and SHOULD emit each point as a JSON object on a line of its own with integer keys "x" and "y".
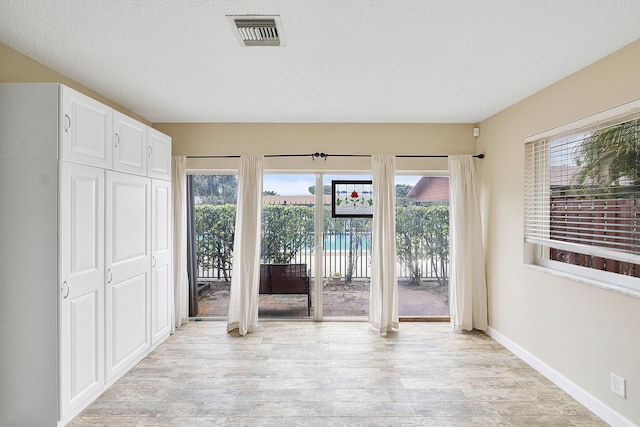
{"x": 426, "y": 299}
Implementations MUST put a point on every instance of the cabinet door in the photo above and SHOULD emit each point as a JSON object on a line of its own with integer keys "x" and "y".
{"x": 159, "y": 155}
{"x": 128, "y": 245}
{"x": 161, "y": 261}
{"x": 81, "y": 338}
{"x": 130, "y": 145}
{"x": 86, "y": 127}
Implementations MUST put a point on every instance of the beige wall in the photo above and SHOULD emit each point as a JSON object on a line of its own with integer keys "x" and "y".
{"x": 581, "y": 331}
{"x": 16, "y": 68}
{"x": 353, "y": 138}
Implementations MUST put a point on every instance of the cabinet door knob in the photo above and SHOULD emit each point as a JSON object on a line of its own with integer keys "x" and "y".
{"x": 109, "y": 275}
{"x": 150, "y": 151}
{"x": 153, "y": 261}
{"x": 67, "y": 123}
{"x": 117, "y": 139}
{"x": 65, "y": 287}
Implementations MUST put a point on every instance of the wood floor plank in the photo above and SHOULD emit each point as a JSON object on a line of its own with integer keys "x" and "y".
{"x": 333, "y": 373}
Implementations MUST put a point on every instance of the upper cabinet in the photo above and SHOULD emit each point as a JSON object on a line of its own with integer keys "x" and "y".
{"x": 159, "y": 155}
{"x": 139, "y": 149}
{"x": 130, "y": 145}
{"x": 96, "y": 135}
{"x": 86, "y": 127}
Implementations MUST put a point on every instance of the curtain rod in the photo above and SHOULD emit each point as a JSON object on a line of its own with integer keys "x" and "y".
{"x": 325, "y": 155}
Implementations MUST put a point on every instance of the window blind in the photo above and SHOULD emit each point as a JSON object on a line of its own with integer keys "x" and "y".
{"x": 582, "y": 191}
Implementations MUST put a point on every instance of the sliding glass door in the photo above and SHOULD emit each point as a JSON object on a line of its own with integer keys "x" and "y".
{"x": 315, "y": 265}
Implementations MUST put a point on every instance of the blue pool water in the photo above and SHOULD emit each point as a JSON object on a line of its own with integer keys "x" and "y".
{"x": 336, "y": 242}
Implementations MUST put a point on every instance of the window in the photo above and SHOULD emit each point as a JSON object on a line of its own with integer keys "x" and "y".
{"x": 582, "y": 198}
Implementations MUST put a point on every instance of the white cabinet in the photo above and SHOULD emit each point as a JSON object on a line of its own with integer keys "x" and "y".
{"x": 86, "y": 127}
{"x": 82, "y": 299}
{"x": 128, "y": 260}
{"x": 130, "y": 147}
{"x": 139, "y": 149}
{"x": 161, "y": 260}
{"x": 159, "y": 155}
{"x": 81, "y": 225}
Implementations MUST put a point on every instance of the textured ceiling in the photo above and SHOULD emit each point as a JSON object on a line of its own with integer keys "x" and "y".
{"x": 456, "y": 61}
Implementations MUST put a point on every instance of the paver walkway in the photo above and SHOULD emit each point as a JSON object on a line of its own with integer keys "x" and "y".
{"x": 345, "y": 300}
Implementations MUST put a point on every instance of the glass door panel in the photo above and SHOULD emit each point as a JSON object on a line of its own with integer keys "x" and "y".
{"x": 422, "y": 245}
{"x": 287, "y": 246}
{"x": 214, "y": 198}
{"x": 346, "y": 258}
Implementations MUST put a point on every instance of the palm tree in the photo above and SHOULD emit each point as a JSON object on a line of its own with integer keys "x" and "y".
{"x": 610, "y": 157}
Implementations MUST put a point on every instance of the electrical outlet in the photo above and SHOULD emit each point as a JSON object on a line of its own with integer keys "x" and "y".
{"x": 618, "y": 385}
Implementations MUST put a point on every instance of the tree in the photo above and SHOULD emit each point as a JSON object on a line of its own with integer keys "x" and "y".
{"x": 401, "y": 195}
{"x": 215, "y": 226}
{"x": 409, "y": 229}
{"x": 359, "y": 230}
{"x": 422, "y": 232}
{"x": 216, "y": 189}
{"x": 403, "y": 189}
{"x": 325, "y": 190}
{"x": 286, "y": 231}
{"x": 609, "y": 157}
{"x": 269, "y": 193}
{"x": 436, "y": 239}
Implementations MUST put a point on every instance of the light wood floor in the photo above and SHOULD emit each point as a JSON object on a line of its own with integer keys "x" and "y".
{"x": 333, "y": 373}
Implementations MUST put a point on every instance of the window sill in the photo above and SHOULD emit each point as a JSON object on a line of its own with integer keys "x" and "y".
{"x": 576, "y": 277}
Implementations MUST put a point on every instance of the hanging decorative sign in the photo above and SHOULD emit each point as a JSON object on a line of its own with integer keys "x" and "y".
{"x": 351, "y": 199}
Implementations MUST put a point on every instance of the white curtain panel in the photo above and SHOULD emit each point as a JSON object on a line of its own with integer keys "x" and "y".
{"x": 467, "y": 280}
{"x": 180, "y": 293}
{"x": 245, "y": 277}
{"x": 383, "y": 300}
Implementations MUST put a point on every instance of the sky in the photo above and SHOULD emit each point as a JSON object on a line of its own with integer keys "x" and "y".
{"x": 298, "y": 184}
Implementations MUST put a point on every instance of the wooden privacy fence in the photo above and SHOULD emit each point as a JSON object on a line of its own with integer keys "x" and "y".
{"x": 609, "y": 223}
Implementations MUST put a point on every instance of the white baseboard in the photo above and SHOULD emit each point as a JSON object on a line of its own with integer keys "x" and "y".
{"x": 589, "y": 401}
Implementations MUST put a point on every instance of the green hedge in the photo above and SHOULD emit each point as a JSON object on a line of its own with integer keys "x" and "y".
{"x": 422, "y": 232}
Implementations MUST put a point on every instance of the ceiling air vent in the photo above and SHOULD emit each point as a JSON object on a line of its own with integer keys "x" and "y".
{"x": 257, "y": 30}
